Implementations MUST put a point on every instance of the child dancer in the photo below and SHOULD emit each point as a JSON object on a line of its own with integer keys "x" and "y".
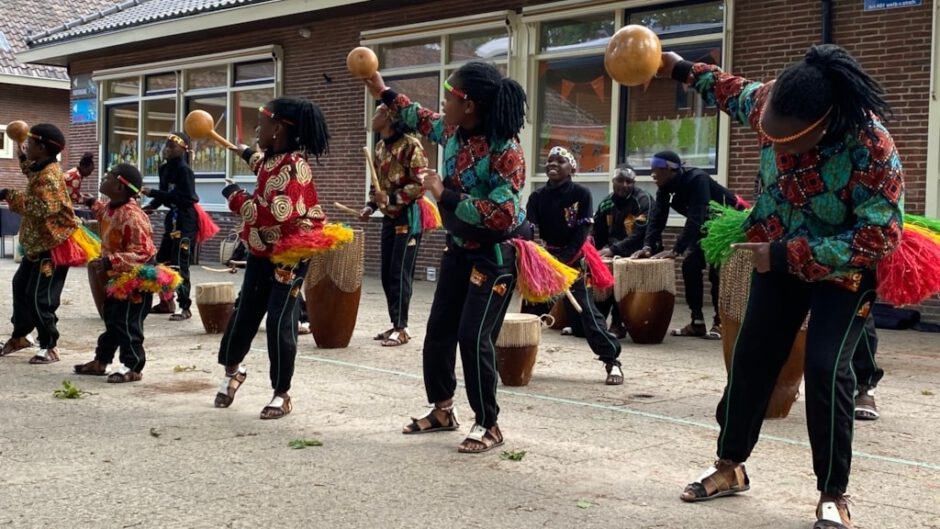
{"x": 52, "y": 240}
{"x": 74, "y": 177}
{"x": 127, "y": 247}
{"x": 480, "y": 205}
{"x": 829, "y": 211}
{"x": 564, "y": 214}
{"x": 177, "y": 191}
{"x": 400, "y": 162}
{"x": 283, "y": 228}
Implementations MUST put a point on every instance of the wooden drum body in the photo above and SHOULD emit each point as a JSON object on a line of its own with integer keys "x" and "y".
{"x": 645, "y": 290}
{"x": 216, "y": 303}
{"x": 333, "y": 286}
{"x": 517, "y": 347}
{"x": 732, "y": 303}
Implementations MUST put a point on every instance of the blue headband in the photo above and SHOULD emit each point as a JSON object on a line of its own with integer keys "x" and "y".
{"x": 662, "y": 163}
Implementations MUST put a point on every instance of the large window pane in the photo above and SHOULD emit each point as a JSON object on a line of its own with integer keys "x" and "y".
{"x": 682, "y": 21}
{"x": 490, "y": 44}
{"x": 160, "y": 120}
{"x": 425, "y": 89}
{"x": 577, "y": 32}
{"x": 411, "y": 53}
{"x": 211, "y": 77}
{"x": 574, "y": 111}
{"x": 254, "y": 72}
{"x": 160, "y": 83}
{"x": 245, "y": 111}
{"x": 124, "y": 87}
{"x": 208, "y": 156}
{"x": 673, "y": 117}
{"x": 122, "y": 134}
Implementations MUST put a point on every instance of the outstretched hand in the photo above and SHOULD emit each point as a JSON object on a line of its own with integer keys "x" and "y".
{"x": 669, "y": 61}
{"x": 375, "y": 84}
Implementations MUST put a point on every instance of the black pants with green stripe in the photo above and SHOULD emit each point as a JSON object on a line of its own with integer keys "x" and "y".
{"x": 775, "y": 311}
{"x": 177, "y": 252}
{"x": 473, "y": 292}
{"x": 124, "y": 330}
{"x": 866, "y": 368}
{"x": 37, "y": 291}
{"x": 399, "y": 254}
{"x": 593, "y": 324}
{"x": 264, "y": 291}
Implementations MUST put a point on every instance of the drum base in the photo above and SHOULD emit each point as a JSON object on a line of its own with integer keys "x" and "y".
{"x": 332, "y": 314}
{"x": 515, "y": 364}
{"x": 215, "y": 317}
{"x": 787, "y": 389}
{"x": 647, "y": 315}
{"x": 98, "y": 283}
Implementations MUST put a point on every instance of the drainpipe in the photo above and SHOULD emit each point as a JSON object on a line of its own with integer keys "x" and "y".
{"x": 826, "y": 21}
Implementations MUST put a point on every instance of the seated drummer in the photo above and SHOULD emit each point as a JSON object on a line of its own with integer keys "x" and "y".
{"x": 687, "y": 190}
{"x": 562, "y": 212}
{"x": 620, "y": 229}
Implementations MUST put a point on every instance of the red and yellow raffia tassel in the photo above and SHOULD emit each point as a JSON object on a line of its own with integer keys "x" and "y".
{"x": 207, "y": 227}
{"x": 911, "y": 273}
{"x": 541, "y": 277}
{"x": 430, "y": 215}
{"x": 303, "y": 245}
{"x": 160, "y": 280}
{"x": 601, "y": 278}
{"x": 80, "y": 248}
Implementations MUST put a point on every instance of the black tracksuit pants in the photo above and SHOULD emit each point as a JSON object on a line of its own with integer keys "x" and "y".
{"x": 37, "y": 293}
{"x": 124, "y": 330}
{"x": 473, "y": 292}
{"x": 692, "y": 267}
{"x": 399, "y": 256}
{"x": 592, "y": 323}
{"x": 775, "y": 311}
{"x": 176, "y": 252}
{"x": 866, "y": 368}
{"x": 264, "y": 293}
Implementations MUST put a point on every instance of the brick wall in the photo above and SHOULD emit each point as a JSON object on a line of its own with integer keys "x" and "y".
{"x": 315, "y": 68}
{"x": 32, "y": 105}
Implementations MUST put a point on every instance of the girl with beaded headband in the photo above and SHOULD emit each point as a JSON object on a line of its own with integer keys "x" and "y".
{"x": 282, "y": 226}
{"x": 479, "y": 200}
{"x": 828, "y": 211}
{"x": 177, "y": 192}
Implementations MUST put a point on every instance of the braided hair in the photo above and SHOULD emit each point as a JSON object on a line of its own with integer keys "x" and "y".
{"x": 828, "y": 77}
{"x": 502, "y": 102}
{"x": 308, "y": 131}
{"x": 87, "y": 160}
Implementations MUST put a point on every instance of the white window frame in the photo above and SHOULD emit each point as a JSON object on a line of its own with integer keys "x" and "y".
{"x": 181, "y": 67}
{"x": 6, "y": 152}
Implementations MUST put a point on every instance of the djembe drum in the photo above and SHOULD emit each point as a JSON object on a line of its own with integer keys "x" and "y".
{"x": 216, "y": 303}
{"x": 517, "y": 346}
{"x": 645, "y": 290}
{"x": 97, "y": 278}
{"x": 333, "y": 286}
{"x": 733, "y": 291}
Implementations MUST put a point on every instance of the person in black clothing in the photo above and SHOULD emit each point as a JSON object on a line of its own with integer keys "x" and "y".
{"x": 620, "y": 230}
{"x": 178, "y": 192}
{"x": 687, "y": 190}
{"x": 562, "y": 210}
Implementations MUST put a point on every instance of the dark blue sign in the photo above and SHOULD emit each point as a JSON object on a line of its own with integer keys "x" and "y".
{"x": 84, "y": 111}
{"x": 874, "y": 5}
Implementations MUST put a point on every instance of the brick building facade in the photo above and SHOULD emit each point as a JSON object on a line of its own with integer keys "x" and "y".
{"x": 756, "y": 38}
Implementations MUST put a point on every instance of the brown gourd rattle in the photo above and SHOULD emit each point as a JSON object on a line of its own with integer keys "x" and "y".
{"x": 200, "y": 125}
{"x": 18, "y": 131}
{"x": 362, "y": 62}
{"x": 633, "y": 55}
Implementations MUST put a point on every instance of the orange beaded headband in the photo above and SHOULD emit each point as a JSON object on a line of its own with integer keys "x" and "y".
{"x": 798, "y": 135}
{"x": 37, "y": 137}
{"x": 177, "y": 140}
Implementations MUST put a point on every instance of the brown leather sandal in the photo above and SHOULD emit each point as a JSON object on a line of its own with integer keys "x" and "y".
{"x": 124, "y": 375}
{"x": 277, "y": 408}
{"x": 396, "y": 338}
{"x": 833, "y": 513}
{"x": 45, "y": 356}
{"x": 230, "y": 385}
{"x": 481, "y": 440}
{"x": 714, "y": 483}
{"x": 434, "y": 424}
{"x": 94, "y": 368}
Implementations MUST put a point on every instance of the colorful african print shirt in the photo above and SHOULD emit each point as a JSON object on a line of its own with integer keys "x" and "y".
{"x": 830, "y": 212}
{"x": 126, "y": 235}
{"x": 400, "y": 163}
{"x": 46, "y": 210}
{"x": 482, "y": 180}
{"x": 73, "y": 183}
{"x": 283, "y": 203}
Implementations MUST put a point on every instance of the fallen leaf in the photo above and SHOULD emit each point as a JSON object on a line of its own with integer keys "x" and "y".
{"x": 584, "y": 504}
{"x": 512, "y": 455}
{"x": 297, "y": 444}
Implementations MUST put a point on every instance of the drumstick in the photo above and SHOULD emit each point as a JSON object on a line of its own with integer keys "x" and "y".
{"x": 346, "y": 209}
{"x": 231, "y": 270}
{"x": 574, "y": 302}
{"x": 372, "y": 171}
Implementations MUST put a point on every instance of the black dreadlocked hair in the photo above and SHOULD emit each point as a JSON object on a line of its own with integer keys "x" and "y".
{"x": 308, "y": 131}
{"x": 87, "y": 160}
{"x": 828, "y": 77}
{"x": 502, "y": 102}
{"x": 52, "y": 137}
